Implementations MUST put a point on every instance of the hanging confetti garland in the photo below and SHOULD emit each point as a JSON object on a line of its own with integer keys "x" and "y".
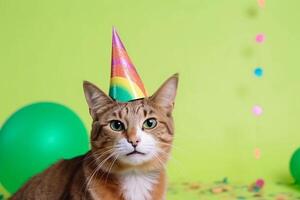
{"x": 257, "y": 110}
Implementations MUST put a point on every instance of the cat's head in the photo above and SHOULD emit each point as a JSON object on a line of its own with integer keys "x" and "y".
{"x": 135, "y": 134}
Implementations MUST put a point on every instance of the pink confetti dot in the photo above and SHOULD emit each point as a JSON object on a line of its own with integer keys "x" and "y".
{"x": 260, "y": 38}
{"x": 257, "y": 110}
{"x": 260, "y": 183}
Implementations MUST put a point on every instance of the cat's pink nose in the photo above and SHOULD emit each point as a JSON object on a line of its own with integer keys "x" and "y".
{"x": 134, "y": 141}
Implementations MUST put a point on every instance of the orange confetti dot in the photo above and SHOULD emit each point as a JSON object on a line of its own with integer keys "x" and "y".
{"x": 261, "y": 3}
{"x": 257, "y": 153}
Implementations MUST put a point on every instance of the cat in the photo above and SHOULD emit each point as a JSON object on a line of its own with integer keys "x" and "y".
{"x": 130, "y": 146}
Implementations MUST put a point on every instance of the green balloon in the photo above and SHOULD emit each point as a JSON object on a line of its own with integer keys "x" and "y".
{"x": 35, "y": 137}
{"x": 295, "y": 166}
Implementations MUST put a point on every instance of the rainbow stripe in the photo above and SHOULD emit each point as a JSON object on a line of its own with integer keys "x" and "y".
{"x": 124, "y": 90}
{"x": 125, "y": 84}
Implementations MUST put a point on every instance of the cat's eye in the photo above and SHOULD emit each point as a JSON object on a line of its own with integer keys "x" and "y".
{"x": 117, "y": 125}
{"x": 150, "y": 123}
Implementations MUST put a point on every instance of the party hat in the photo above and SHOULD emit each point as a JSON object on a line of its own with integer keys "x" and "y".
{"x": 125, "y": 83}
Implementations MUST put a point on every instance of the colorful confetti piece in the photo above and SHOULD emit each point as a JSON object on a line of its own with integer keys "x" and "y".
{"x": 258, "y": 72}
{"x": 257, "y": 187}
{"x": 260, "y": 38}
{"x": 261, "y": 3}
{"x": 231, "y": 190}
{"x": 260, "y": 183}
{"x": 257, "y": 110}
{"x": 257, "y": 153}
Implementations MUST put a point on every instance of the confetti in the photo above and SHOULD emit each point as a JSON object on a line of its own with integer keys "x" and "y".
{"x": 258, "y": 72}
{"x": 261, "y": 3}
{"x": 281, "y": 197}
{"x": 228, "y": 190}
{"x": 257, "y": 186}
{"x": 217, "y": 190}
{"x": 260, "y": 183}
{"x": 257, "y": 153}
{"x": 260, "y": 38}
{"x": 257, "y": 110}
{"x": 225, "y": 180}
{"x": 194, "y": 186}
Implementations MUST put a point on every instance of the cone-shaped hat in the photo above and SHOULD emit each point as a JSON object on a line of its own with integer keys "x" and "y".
{"x": 125, "y": 83}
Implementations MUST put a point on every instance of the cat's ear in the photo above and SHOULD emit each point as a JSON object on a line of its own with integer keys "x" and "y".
{"x": 165, "y": 95}
{"x": 95, "y": 98}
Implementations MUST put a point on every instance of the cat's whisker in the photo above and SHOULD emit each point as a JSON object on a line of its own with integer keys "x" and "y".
{"x": 159, "y": 160}
{"x": 179, "y": 167}
{"x": 167, "y": 144}
{"x": 87, "y": 186}
{"x": 173, "y": 146}
{"x": 98, "y": 156}
{"x": 170, "y": 156}
{"x": 91, "y": 155}
{"x": 150, "y": 147}
{"x": 96, "y": 170}
{"x": 111, "y": 167}
{"x": 89, "y": 159}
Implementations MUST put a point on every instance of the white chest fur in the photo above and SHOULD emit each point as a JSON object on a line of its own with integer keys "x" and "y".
{"x": 138, "y": 186}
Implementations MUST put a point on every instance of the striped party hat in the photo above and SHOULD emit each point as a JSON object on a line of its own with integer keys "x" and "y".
{"x": 125, "y": 83}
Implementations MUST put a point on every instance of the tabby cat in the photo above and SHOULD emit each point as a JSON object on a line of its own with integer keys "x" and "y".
{"x": 130, "y": 145}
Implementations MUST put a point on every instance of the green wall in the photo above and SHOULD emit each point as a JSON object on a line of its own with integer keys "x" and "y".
{"x": 47, "y": 48}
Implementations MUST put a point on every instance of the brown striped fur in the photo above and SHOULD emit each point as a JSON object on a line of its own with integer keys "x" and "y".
{"x": 96, "y": 175}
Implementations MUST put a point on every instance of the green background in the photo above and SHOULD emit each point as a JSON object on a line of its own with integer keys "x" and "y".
{"x": 47, "y": 48}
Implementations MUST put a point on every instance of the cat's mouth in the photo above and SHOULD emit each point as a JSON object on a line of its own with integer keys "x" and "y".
{"x": 135, "y": 152}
